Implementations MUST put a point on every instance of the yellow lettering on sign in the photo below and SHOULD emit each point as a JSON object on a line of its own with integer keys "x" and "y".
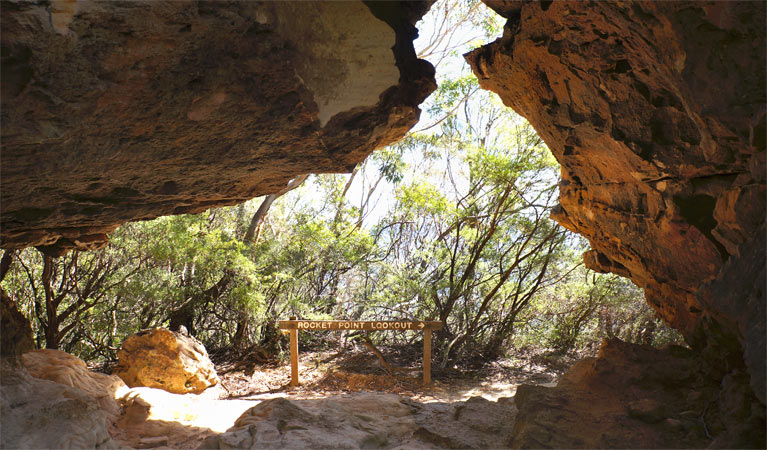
{"x": 353, "y": 325}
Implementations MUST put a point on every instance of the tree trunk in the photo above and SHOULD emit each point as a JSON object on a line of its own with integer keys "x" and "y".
{"x": 186, "y": 314}
{"x": 183, "y": 316}
{"x": 258, "y": 217}
{"x": 52, "y": 325}
{"x": 241, "y": 334}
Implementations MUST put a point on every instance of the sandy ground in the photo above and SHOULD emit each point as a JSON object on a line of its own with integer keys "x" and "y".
{"x": 184, "y": 421}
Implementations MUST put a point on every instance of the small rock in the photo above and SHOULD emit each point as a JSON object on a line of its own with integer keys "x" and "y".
{"x": 675, "y": 425}
{"x": 152, "y": 442}
{"x": 689, "y": 414}
{"x": 646, "y": 410}
{"x": 693, "y": 396}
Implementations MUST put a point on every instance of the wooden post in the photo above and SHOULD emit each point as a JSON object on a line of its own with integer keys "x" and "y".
{"x": 293, "y": 356}
{"x": 427, "y": 357}
{"x": 292, "y": 326}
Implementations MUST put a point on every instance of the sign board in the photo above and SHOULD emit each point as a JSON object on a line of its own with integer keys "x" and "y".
{"x": 398, "y": 325}
{"x": 294, "y": 326}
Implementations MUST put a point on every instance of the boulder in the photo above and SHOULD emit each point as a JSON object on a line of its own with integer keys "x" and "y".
{"x": 38, "y": 413}
{"x": 163, "y": 359}
{"x": 63, "y": 368}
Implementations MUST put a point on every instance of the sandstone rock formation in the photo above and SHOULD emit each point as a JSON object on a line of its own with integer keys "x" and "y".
{"x": 162, "y": 359}
{"x": 69, "y": 370}
{"x": 139, "y": 417}
{"x": 114, "y": 112}
{"x": 656, "y": 112}
{"x": 39, "y": 413}
{"x": 634, "y": 396}
{"x": 367, "y": 420}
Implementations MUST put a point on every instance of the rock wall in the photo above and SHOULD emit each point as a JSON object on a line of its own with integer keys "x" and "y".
{"x": 39, "y": 413}
{"x": 656, "y": 113}
{"x": 634, "y": 396}
{"x": 120, "y": 111}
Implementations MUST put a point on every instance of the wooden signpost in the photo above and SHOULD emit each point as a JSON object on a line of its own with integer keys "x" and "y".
{"x": 294, "y": 326}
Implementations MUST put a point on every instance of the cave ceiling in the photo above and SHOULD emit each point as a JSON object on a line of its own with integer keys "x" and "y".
{"x": 121, "y": 111}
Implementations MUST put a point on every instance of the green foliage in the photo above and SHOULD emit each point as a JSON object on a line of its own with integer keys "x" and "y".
{"x": 585, "y": 308}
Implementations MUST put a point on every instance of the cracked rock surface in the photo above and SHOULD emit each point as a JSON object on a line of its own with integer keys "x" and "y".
{"x": 370, "y": 420}
{"x": 40, "y": 413}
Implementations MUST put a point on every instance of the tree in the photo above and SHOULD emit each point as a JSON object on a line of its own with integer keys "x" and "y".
{"x": 473, "y": 245}
{"x": 65, "y": 291}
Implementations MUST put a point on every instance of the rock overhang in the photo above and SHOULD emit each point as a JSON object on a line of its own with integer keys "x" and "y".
{"x": 344, "y": 55}
{"x": 118, "y": 112}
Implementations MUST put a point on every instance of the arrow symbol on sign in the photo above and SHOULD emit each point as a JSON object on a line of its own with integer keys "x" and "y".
{"x": 421, "y": 325}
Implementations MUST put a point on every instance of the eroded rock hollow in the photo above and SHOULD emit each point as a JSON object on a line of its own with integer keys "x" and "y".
{"x": 113, "y": 112}
{"x": 656, "y": 113}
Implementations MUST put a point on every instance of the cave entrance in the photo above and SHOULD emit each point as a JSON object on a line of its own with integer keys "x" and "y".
{"x": 451, "y": 224}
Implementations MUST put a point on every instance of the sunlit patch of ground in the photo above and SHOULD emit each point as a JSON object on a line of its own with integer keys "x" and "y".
{"x": 158, "y": 419}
